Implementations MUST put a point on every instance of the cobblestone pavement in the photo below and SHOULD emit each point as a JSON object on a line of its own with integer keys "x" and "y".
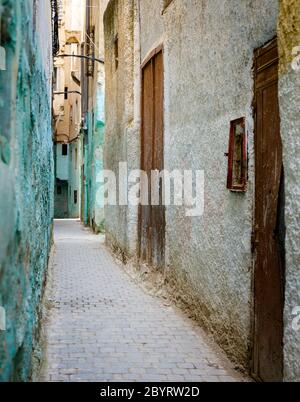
{"x": 104, "y": 327}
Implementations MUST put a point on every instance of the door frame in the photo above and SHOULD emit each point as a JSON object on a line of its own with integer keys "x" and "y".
{"x": 254, "y": 352}
{"x": 150, "y": 56}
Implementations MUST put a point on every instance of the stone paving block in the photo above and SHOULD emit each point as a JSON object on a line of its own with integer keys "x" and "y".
{"x": 104, "y": 327}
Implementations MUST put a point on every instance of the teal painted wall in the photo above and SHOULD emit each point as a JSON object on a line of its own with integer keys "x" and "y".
{"x": 26, "y": 182}
{"x": 86, "y": 173}
{"x": 98, "y": 162}
{"x": 97, "y": 200}
{"x": 93, "y": 165}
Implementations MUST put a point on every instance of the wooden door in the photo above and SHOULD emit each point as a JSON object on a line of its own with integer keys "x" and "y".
{"x": 269, "y": 222}
{"x": 152, "y": 217}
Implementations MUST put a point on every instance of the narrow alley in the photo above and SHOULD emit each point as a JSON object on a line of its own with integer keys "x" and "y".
{"x": 149, "y": 191}
{"x": 103, "y": 327}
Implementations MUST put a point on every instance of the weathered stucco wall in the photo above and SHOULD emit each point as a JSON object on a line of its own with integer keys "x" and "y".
{"x": 152, "y": 26}
{"x": 26, "y": 179}
{"x": 122, "y": 113}
{"x": 208, "y": 59}
{"x": 208, "y": 55}
{"x": 289, "y": 98}
{"x": 97, "y": 203}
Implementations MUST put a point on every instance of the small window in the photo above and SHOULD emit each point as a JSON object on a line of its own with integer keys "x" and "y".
{"x": 75, "y": 197}
{"x": 58, "y": 190}
{"x": 237, "y": 156}
{"x": 66, "y": 92}
{"x": 64, "y": 150}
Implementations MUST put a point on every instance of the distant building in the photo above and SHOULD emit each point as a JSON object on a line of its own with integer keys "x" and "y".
{"x": 67, "y": 94}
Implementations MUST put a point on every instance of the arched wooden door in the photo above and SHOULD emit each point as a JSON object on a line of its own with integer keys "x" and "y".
{"x": 152, "y": 217}
{"x": 268, "y": 240}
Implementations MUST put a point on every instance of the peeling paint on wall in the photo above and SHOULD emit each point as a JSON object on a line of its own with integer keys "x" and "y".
{"x": 26, "y": 181}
